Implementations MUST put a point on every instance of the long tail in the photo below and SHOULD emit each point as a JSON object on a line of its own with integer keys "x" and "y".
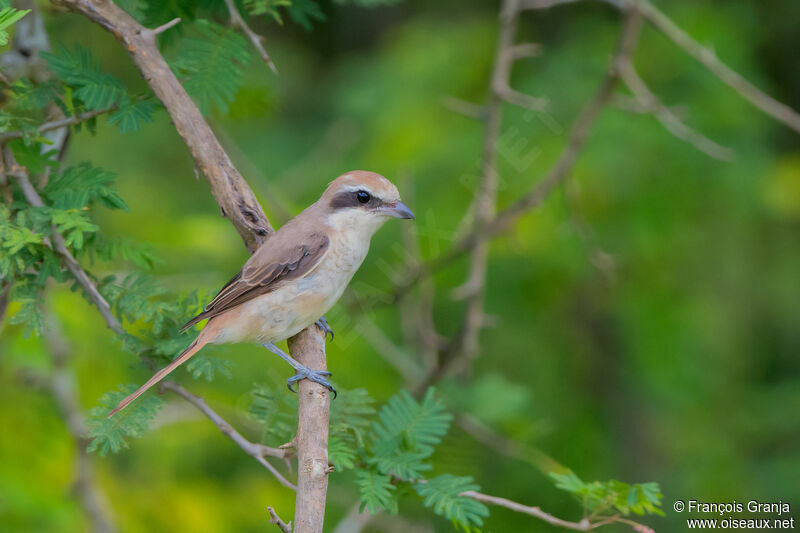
{"x": 161, "y": 374}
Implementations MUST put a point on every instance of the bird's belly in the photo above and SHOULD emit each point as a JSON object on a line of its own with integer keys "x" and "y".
{"x": 287, "y": 310}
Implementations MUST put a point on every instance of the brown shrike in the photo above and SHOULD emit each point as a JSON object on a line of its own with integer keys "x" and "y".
{"x": 297, "y": 274}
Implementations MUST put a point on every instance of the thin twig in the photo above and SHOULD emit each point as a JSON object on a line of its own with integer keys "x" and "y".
{"x": 253, "y": 449}
{"x": 55, "y": 124}
{"x": 734, "y": 80}
{"x": 275, "y": 519}
{"x": 583, "y": 525}
{"x": 668, "y": 119}
{"x": 257, "y": 40}
{"x": 167, "y": 25}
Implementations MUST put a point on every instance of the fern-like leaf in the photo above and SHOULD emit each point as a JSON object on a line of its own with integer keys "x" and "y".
{"x": 208, "y": 367}
{"x": 79, "y": 185}
{"x": 420, "y": 426}
{"x": 131, "y": 116}
{"x": 110, "y": 434}
{"x": 377, "y": 492}
{"x": 8, "y": 16}
{"x": 79, "y": 69}
{"x": 443, "y": 493}
{"x": 212, "y": 65}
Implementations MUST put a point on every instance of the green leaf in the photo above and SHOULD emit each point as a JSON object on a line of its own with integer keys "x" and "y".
{"x": 305, "y": 12}
{"x": 110, "y": 434}
{"x": 29, "y": 96}
{"x": 131, "y": 116}
{"x": 212, "y": 66}
{"x": 341, "y": 453}
{"x": 351, "y": 416}
{"x": 208, "y": 367}
{"x": 377, "y": 492}
{"x": 81, "y": 71}
{"x": 29, "y": 295}
{"x": 268, "y": 406}
{"x": 599, "y": 496}
{"x": 8, "y": 16}
{"x": 443, "y": 493}
{"x": 77, "y": 186}
{"x": 268, "y": 8}
{"x": 420, "y": 427}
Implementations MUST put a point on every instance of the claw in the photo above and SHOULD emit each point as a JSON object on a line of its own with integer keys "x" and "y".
{"x": 322, "y": 324}
{"x": 317, "y": 376}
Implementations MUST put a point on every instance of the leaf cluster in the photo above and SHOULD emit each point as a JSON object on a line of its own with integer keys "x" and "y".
{"x": 599, "y": 497}
{"x": 389, "y": 450}
{"x": 110, "y": 434}
{"x": 70, "y": 198}
{"x": 9, "y": 16}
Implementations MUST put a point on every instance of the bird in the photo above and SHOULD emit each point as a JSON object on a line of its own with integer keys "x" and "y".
{"x": 296, "y": 275}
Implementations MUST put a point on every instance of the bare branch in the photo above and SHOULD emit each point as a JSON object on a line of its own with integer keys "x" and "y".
{"x": 238, "y": 21}
{"x": 540, "y": 191}
{"x": 275, "y": 519}
{"x": 255, "y": 450}
{"x": 55, "y": 124}
{"x": 583, "y": 525}
{"x": 668, "y": 119}
{"x": 465, "y": 345}
{"x": 734, "y": 80}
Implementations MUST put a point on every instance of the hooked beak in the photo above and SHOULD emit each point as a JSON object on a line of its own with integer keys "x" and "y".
{"x": 398, "y": 210}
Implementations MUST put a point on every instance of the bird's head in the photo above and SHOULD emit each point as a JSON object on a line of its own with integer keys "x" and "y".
{"x": 364, "y": 200}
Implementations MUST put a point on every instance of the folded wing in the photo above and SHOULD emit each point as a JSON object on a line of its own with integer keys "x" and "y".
{"x": 276, "y": 261}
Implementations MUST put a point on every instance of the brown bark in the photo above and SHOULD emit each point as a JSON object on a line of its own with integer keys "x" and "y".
{"x": 312, "y": 435}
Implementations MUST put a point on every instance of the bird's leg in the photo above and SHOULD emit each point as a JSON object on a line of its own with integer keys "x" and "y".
{"x": 317, "y": 376}
{"x": 324, "y": 326}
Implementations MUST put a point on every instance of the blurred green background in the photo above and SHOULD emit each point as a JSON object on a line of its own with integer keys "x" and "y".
{"x": 684, "y": 370}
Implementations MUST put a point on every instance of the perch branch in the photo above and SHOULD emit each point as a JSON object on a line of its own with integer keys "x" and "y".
{"x": 238, "y": 21}
{"x": 313, "y": 414}
{"x": 255, "y": 450}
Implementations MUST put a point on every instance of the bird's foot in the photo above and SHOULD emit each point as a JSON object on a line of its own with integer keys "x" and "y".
{"x": 324, "y": 326}
{"x": 317, "y": 376}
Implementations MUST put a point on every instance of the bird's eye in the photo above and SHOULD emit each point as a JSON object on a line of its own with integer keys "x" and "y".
{"x": 363, "y": 196}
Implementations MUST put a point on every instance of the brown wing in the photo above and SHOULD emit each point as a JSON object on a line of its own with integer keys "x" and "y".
{"x": 274, "y": 263}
